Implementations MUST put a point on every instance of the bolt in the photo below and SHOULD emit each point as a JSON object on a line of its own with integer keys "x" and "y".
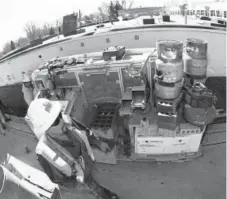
{"x": 27, "y": 150}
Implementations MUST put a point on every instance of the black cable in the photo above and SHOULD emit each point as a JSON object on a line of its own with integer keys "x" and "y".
{"x": 19, "y": 122}
{"x": 215, "y": 143}
{"x": 25, "y": 132}
{"x": 214, "y": 132}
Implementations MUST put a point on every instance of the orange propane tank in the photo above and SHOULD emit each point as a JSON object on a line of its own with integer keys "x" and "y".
{"x": 199, "y": 116}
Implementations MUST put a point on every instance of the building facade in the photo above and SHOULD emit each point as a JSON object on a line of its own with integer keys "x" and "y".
{"x": 212, "y": 9}
{"x": 140, "y": 11}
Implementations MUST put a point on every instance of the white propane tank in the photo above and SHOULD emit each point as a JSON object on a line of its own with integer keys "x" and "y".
{"x": 199, "y": 116}
{"x": 170, "y": 72}
{"x": 196, "y": 48}
{"x": 169, "y": 50}
{"x": 168, "y": 90}
{"x": 195, "y": 60}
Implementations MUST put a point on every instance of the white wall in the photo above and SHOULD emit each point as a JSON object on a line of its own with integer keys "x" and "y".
{"x": 147, "y": 38}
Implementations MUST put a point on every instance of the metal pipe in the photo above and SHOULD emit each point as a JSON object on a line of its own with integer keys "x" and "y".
{"x": 25, "y": 181}
{"x": 185, "y": 13}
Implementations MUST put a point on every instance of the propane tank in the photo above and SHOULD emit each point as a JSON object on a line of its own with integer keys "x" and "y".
{"x": 169, "y": 69}
{"x": 170, "y": 72}
{"x": 168, "y": 90}
{"x": 195, "y": 60}
{"x": 169, "y": 50}
{"x": 196, "y": 48}
{"x": 199, "y": 116}
{"x": 197, "y": 67}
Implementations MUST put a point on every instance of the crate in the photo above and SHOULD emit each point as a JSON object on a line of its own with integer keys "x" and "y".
{"x": 167, "y": 117}
{"x": 168, "y": 120}
{"x": 116, "y": 51}
{"x": 168, "y": 132}
{"x": 104, "y": 120}
{"x": 149, "y": 21}
{"x": 168, "y": 106}
{"x": 167, "y": 126}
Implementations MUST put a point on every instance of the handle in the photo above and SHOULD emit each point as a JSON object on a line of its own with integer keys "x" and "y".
{"x": 198, "y": 87}
{"x": 159, "y": 74}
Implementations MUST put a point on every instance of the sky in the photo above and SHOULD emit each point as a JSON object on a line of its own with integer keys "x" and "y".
{"x": 14, "y": 14}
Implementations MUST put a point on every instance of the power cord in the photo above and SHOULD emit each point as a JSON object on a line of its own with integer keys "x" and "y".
{"x": 214, "y": 143}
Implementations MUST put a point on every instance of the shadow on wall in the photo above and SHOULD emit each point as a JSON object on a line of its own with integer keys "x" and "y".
{"x": 12, "y": 97}
{"x": 218, "y": 85}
